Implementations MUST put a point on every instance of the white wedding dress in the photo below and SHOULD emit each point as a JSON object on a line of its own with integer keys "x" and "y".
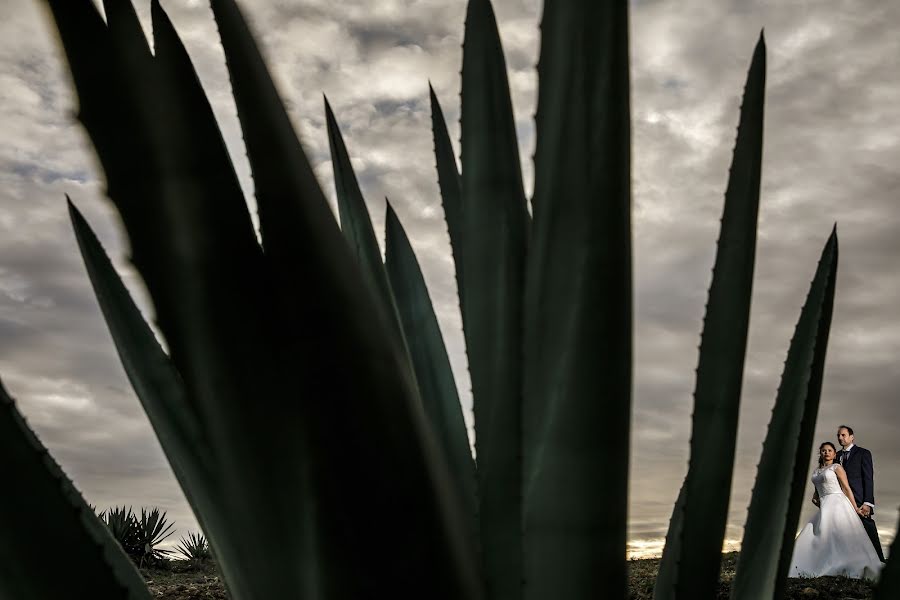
{"x": 834, "y": 542}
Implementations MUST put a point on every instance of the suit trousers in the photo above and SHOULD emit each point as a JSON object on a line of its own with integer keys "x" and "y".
{"x": 872, "y": 530}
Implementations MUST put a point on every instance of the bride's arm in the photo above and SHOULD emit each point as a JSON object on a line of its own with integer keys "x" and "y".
{"x": 815, "y": 498}
{"x": 845, "y": 485}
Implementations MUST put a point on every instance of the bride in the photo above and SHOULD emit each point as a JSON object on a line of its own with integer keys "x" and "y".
{"x": 834, "y": 542}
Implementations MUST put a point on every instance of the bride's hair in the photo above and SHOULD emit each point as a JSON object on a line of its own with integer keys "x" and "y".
{"x": 821, "y": 463}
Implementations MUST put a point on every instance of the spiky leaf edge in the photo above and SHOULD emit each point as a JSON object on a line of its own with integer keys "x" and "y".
{"x": 694, "y": 571}
{"x": 495, "y": 232}
{"x": 43, "y": 504}
{"x": 383, "y": 421}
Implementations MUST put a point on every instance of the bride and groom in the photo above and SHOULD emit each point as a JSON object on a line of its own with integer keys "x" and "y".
{"x": 841, "y": 538}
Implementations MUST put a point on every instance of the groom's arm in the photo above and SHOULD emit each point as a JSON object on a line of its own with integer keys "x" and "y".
{"x": 868, "y": 479}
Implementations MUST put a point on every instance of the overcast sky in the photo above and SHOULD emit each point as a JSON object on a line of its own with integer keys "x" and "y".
{"x": 831, "y": 155}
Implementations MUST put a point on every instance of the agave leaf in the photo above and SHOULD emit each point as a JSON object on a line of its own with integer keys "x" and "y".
{"x": 356, "y": 225}
{"x": 440, "y": 398}
{"x": 723, "y": 345}
{"x": 889, "y": 581}
{"x": 156, "y": 381}
{"x": 194, "y": 245}
{"x": 451, "y": 187}
{"x": 106, "y": 109}
{"x": 667, "y": 575}
{"x": 365, "y": 425}
{"x": 495, "y": 230}
{"x": 578, "y": 308}
{"x": 42, "y": 504}
{"x": 154, "y": 378}
{"x": 778, "y": 493}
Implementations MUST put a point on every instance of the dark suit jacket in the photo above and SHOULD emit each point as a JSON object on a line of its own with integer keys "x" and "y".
{"x": 860, "y": 474}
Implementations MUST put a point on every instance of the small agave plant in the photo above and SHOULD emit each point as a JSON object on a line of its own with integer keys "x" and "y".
{"x": 121, "y": 524}
{"x": 152, "y": 530}
{"x": 194, "y": 548}
{"x": 306, "y": 376}
{"x": 139, "y": 538}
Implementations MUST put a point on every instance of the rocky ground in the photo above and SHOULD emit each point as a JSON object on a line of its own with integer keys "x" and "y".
{"x": 180, "y": 580}
{"x": 183, "y": 581}
{"x": 642, "y": 575}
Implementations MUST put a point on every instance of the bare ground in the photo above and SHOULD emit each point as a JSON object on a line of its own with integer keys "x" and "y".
{"x": 642, "y": 575}
{"x": 183, "y": 581}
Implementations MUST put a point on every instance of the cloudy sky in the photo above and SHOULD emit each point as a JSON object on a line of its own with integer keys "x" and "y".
{"x": 831, "y": 155}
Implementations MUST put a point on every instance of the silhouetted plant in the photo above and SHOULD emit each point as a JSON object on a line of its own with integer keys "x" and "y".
{"x": 194, "y": 547}
{"x": 122, "y": 524}
{"x": 139, "y": 538}
{"x": 152, "y": 530}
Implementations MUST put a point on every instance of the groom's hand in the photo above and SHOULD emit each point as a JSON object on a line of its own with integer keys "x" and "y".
{"x": 864, "y": 510}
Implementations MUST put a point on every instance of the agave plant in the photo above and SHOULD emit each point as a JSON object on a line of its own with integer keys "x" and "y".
{"x": 139, "y": 538}
{"x": 122, "y": 525}
{"x": 194, "y": 547}
{"x": 307, "y": 376}
{"x": 152, "y": 530}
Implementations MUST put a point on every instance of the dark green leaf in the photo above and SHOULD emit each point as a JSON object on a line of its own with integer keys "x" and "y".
{"x": 495, "y": 230}
{"x": 194, "y": 245}
{"x": 40, "y": 504}
{"x": 667, "y": 575}
{"x": 782, "y": 475}
{"x": 889, "y": 582}
{"x": 156, "y": 382}
{"x": 378, "y": 472}
{"x": 450, "y": 185}
{"x": 356, "y": 224}
{"x": 717, "y": 391}
{"x": 578, "y": 334}
{"x": 429, "y": 356}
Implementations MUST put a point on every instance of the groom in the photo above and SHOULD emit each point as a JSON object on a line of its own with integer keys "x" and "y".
{"x": 857, "y": 462}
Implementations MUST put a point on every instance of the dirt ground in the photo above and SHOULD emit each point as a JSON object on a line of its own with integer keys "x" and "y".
{"x": 642, "y": 575}
{"x": 182, "y": 581}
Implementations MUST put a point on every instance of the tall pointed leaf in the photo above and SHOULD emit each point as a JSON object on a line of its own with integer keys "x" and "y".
{"x": 158, "y": 386}
{"x": 495, "y": 230}
{"x": 667, "y": 574}
{"x": 379, "y": 474}
{"x": 778, "y": 494}
{"x": 450, "y": 185}
{"x": 433, "y": 372}
{"x": 578, "y": 346}
{"x": 889, "y": 582}
{"x": 356, "y": 224}
{"x": 194, "y": 245}
{"x": 721, "y": 365}
{"x": 43, "y": 510}
{"x": 157, "y": 383}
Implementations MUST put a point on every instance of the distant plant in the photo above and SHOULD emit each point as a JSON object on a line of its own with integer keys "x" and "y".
{"x": 151, "y": 530}
{"x": 139, "y": 538}
{"x": 194, "y": 547}
{"x": 122, "y": 524}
